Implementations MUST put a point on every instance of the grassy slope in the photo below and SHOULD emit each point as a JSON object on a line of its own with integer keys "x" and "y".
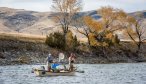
{"x": 22, "y": 37}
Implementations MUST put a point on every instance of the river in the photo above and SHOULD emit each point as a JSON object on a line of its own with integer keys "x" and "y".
{"x": 122, "y": 73}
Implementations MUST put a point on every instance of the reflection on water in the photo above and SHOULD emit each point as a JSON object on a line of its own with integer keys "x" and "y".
{"x": 94, "y": 74}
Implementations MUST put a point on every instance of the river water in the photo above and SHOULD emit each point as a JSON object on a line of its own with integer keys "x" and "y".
{"x": 122, "y": 73}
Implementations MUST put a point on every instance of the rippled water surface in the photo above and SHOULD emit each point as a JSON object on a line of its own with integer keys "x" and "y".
{"x": 94, "y": 74}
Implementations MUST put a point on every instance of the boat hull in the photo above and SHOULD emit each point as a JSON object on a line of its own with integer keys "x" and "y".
{"x": 42, "y": 73}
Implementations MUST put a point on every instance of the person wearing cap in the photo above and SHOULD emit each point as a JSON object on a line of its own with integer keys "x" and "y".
{"x": 49, "y": 61}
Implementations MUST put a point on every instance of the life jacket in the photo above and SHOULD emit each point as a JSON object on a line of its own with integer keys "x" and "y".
{"x": 54, "y": 65}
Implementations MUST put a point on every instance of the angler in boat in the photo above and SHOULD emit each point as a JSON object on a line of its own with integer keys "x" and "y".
{"x": 71, "y": 60}
{"x": 49, "y": 61}
{"x": 54, "y": 69}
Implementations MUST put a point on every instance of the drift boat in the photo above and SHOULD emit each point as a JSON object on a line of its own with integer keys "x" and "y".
{"x": 42, "y": 73}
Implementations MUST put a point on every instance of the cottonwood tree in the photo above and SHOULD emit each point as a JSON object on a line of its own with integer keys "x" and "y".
{"x": 110, "y": 21}
{"x": 98, "y": 37}
{"x": 135, "y": 29}
{"x": 84, "y": 26}
{"x": 111, "y": 18}
{"x": 66, "y": 10}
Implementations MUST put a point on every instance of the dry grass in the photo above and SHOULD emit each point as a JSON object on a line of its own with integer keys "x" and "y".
{"x": 28, "y": 37}
{"x": 83, "y": 40}
{"x": 34, "y": 38}
{"x": 22, "y": 37}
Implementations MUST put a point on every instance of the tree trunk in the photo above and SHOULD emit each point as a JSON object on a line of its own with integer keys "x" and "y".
{"x": 88, "y": 40}
{"x": 139, "y": 45}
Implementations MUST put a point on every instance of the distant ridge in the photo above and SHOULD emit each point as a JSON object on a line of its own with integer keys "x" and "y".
{"x": 38, "y": 23}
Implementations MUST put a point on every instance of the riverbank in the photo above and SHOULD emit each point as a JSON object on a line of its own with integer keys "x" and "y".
{"x": 17, "y": 52}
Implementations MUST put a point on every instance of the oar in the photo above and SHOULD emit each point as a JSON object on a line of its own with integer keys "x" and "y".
{"x": 80, "y": 71}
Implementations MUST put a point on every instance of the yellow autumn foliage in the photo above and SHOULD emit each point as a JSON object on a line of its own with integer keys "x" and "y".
{"x": 93, "y": 24}
{"x": 109, "y": 36}
{"x": 92, "y": 40}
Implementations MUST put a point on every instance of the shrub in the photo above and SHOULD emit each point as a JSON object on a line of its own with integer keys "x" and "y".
{"x": 56, "y": 40}
{"x": 71, "y": 41}
{"x": 115, "y": 39}
{"x": 103, "y": 39}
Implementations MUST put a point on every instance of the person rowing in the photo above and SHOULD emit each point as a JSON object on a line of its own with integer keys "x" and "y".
{"x": 49, "y": 61}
